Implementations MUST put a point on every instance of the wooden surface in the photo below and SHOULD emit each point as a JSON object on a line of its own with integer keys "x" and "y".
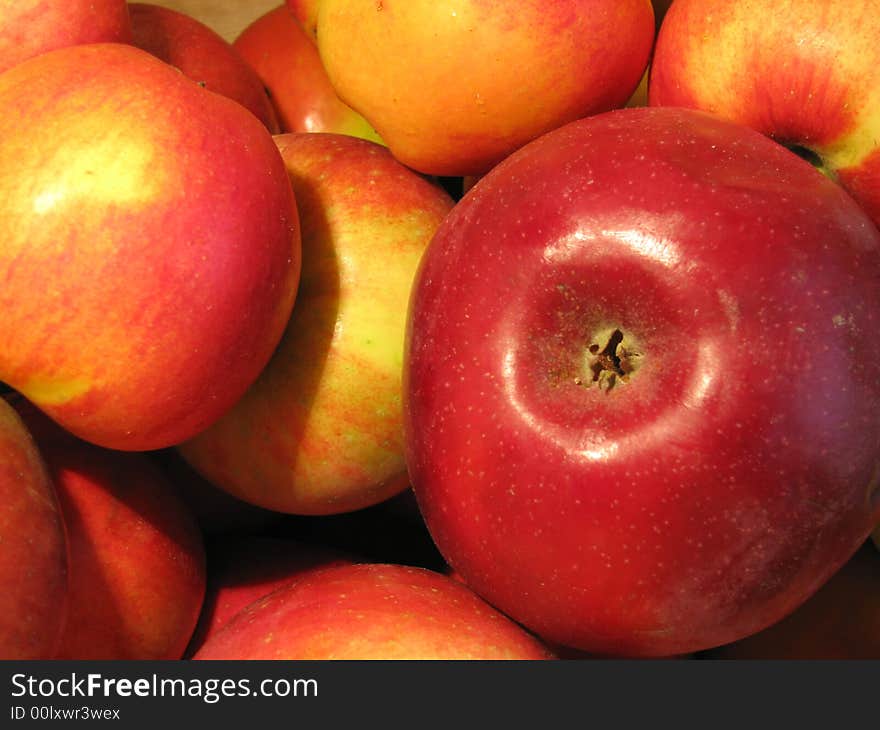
{"x": 226, "y": 17}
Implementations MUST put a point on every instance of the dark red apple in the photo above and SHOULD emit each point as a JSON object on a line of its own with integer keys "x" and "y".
{"x": 642, "y": 382}
{"x": 841, "y": 621}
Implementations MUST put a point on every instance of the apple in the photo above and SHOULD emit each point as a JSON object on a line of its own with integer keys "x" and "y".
{"x": 840, "y": 621}
{"x": 136, "y": 557}
{"x": 31, "y": 27}
{"x": 320, "y": 432}
{"x": 33, "y": 562}
{"x": 454, "y": 88}
{"x": 805, "y": 73}
{"x": 245, "y": 569}
{"x": 149, "y": 245}
{"x": 641, "y": 383}
{"x": 379, "y": 611}
{"x": 286, "y": 60}
{"x": 203, "y": 55}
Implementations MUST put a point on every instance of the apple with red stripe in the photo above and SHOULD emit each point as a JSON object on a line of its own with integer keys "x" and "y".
{"x": 805, "y": 73}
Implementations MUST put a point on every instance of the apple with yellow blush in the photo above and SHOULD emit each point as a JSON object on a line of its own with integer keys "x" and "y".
{"x": 806, "y": 74}
{"x": 321, "y": 430}
{"x": 454, "y": 87}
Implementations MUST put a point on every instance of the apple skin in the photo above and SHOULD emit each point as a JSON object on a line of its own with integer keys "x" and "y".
{"x": 31, "y": 27}
{"x": 380, "y": 611}
{"x": 841, "y": 621}
{"x": 149, "y": 245}
{"x": 203, "y": 55}
{"x": 806, "y": 74}
{"x": 33, "y": 562}
{"x": 245, "y": 569}
{"x": 735, "y": 471}
{"x": 453, "y": 88}
{"x": 136, "y": 557}
{"x": 286, "y": 60}
{"x": 321, "y": 431}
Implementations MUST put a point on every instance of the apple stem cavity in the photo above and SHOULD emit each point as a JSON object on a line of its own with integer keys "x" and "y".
{"x": 611, "y": 364}
{"x": 805, "y": 153}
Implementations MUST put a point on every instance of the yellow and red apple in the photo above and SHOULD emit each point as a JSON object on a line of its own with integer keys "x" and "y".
{"x": 805, "y": 73}
{"x": 453, "y": 88}
{"x": 321, "y": 431}
{"x": 149, "y": 245}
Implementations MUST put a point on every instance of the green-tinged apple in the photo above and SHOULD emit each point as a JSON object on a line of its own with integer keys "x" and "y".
{"x": 380, "y": 611}
{"x": 245, "y": 569}
{"x": 805, "y": 73}
{"x": 321, "y": 430}
{"x": 149, "y": 245}
{"x": 31, "y": 27}
{"x": 203, "y": 55}
{"x": 33, "y": 559}
{"x": 286, "y": 60}
{"x": 136, "y": 557}
{"x": 642, "y": 382}
{"x": 453, "y": 88}
{"x": 841, "y": 621}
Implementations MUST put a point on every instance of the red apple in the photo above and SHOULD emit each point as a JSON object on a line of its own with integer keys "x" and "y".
{"x": 841, "y": 621}
{"x": 805, "y": 73}
{"x": 245, "y": 569}
{"x": 642, "y": 383}
{"x": 372, "y": 612}
{"x": 33, "y": 559}
{"x": 31, "y": 27}
{"x": 137, "y": 562}
{"x": 321, "y": 431}
{"x": 200, "y": 53}
{"x": 454, "y": 88}
{"x": 286, "y": 60}
{"x": 149, "y": 245}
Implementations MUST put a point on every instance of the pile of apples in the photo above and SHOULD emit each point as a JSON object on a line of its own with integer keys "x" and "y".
{"x": 416, "y": 329}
